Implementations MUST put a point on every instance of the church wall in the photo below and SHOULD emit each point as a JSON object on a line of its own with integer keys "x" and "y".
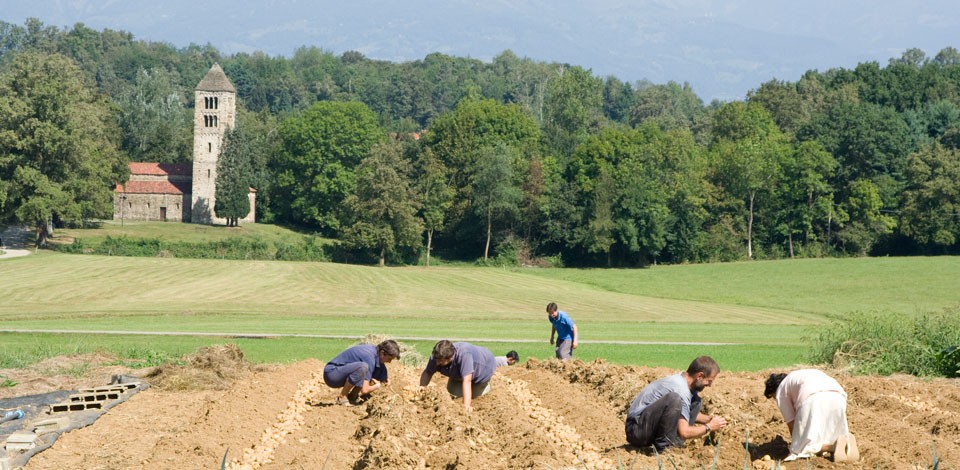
{"x": 133, "y": 206}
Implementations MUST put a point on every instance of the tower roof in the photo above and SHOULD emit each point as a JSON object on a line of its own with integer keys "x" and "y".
{"x": 216, "y": 80}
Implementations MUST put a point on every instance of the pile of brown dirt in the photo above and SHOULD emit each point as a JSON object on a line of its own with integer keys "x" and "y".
{"x": 210, "y": 368}
{"x": 542, "y": 415}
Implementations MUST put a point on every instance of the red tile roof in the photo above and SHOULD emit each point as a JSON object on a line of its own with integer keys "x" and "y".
{"x": 161, "y": 169}
{"x": 155, "y": 187}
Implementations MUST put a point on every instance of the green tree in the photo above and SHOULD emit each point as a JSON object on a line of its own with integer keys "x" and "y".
{"x": 156, "y": 126}
{"x": 234, "y": 177}
{"x": 457, "y": 138}
{"x": 747, "y": 150}
{"x": 314, "y": 170}
{"x": 58, "y": 151}
{"x": 670, "y": 106}
{"x": 384, "y": 205}
{"x": 435, "y": 194}
{"x": 574, "y": 107}
{"x": 860, "y": 218}
{"x": 805, "y": 194}
{"x": 495, "y": 195}
{"x": 932, "y": 198}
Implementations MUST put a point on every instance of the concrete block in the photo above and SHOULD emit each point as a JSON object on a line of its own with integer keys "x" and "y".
{"x": 96, "y": 396}
{"x": 22, "y": 436}
{"x": 76, "y": 406}
{"x": 50, "y": 425}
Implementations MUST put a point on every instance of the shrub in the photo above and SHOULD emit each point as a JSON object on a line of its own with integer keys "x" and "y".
{"x": 308, "y": 249}
{"x": 885, "y": 343}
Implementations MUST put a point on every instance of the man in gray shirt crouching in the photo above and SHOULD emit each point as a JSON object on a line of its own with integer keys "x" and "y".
{"x": 667, "y": 412}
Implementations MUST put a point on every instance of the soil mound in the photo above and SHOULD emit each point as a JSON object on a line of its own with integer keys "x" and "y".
{"x": 540, "y": 415}
{"x": 210, "y": 368}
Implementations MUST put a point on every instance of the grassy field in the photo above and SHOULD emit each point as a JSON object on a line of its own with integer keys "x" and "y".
{"x": 763, "y": 310}
{"x": 176, "y": 232}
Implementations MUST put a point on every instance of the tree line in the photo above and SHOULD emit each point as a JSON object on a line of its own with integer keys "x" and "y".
{"x": 513, "y": 160}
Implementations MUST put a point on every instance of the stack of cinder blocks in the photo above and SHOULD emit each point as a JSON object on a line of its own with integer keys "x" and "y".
{"x": 22, "y": 441}
{"x": 93, "y": 398}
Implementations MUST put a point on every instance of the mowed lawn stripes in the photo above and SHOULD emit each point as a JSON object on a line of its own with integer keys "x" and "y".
{"x": 52, "y": 284}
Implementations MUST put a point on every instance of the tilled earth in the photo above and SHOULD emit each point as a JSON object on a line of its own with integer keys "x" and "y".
{"x": 539, "y": 415}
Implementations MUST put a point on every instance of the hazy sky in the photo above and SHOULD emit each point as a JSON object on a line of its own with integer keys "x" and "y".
{"x": 722, "y": 48}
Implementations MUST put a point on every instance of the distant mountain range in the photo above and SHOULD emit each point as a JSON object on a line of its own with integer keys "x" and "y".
{"x": 722, "y": 48}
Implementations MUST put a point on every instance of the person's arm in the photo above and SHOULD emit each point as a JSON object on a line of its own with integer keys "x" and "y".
{"x": 425, "y": 378}
{"x": 467, "y": 392}
{"x": 576, "y": 336}
{"x": 368, "y": 387}
{"x": 553, "y": 331}
{"x": 705, "y": 424}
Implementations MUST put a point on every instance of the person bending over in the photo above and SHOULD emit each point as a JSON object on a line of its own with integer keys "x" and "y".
{"x": 667, "y": 412}
{"x": 814, "y": 406}
{"x": 468, "y": 369}
{"x": 355, "y": 369}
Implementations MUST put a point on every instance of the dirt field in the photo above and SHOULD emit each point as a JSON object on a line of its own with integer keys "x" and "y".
{"x": 539, "y": 415}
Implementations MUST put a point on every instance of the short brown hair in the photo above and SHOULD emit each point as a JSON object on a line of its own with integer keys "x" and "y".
{"x": 551, "y": 307}
{"x": 704, "y": 364}
{"x": 389, "y": 347}
{"x": 443, "y": 350}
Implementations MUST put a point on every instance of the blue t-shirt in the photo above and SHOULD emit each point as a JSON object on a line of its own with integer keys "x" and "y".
{"x": 676, "y": 383}
{"x": 363, "y": 353}
{"x": 563, "y": 324}
{"x": 468, "y": 359}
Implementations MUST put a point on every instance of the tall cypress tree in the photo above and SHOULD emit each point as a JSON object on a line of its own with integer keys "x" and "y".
{"x": 234, "y": 174}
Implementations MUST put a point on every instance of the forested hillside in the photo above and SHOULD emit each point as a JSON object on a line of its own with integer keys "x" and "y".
{"x": 515, "y": 160}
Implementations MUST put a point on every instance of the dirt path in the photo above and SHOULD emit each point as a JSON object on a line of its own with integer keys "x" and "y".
{"x": 547, "y": 415}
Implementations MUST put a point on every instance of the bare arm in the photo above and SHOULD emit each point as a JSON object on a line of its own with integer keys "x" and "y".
{"x": 576, "y": 336}
{"x": 425, "y": 378}
{"x": 553, "y": 331}
{"x": 467, "y": 392}
{"x": 705, "y": 425}
{"x": 368, "y": 387}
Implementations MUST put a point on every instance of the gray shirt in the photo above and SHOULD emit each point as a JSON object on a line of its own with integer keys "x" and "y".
{"x": 468, "y": 359}
{"x": 501, "y": 361}
{"x": 676, "y": 383}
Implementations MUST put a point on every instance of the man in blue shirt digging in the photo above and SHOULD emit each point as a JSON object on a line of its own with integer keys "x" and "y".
{"x": 355, "y": 370}
{"x": 565, "y": 330}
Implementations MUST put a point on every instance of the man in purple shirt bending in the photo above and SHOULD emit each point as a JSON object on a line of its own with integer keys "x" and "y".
{"x": 469, "y": 369}
{"x": 355, "y": 369}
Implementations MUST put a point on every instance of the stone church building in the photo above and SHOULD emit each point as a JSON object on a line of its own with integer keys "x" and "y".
{"x": 184, "y": 192}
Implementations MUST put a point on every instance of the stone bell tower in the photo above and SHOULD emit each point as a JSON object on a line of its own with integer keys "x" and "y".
{"x": 214, "y": 112}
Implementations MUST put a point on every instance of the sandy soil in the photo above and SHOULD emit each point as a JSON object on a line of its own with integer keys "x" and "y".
{"x": 539, "y": 415}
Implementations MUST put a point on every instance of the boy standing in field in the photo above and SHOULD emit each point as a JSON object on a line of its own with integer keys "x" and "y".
{"x": 565, "y": 330}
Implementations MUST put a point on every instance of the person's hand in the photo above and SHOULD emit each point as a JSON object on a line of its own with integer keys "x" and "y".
{"x": 551, "y": 340}
{"x": 574, "y": 345}
{"x": 468, "y": 409}
{"x": 717, "y": 422}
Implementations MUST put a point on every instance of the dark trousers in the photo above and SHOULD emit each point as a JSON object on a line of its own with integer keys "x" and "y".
{"x": 336, "y": 375}
{"x": 657, "y": 424}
